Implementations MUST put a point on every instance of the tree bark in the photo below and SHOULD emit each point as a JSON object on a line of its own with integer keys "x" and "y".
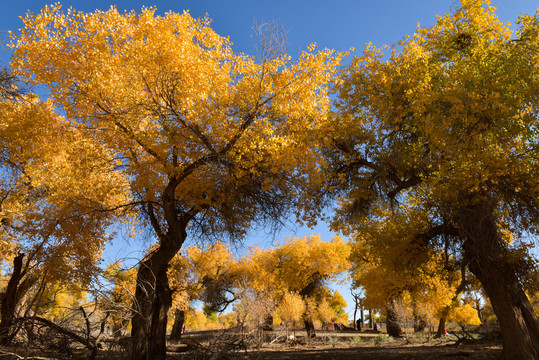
{"x": 9, "y": 301}
{"x": 490, "y": 261}
{"x": 306, "y": 293}
{"x": 179, "y": 320}
{"x": 153, "y": 299}
{"x": 152, "y": 302}
{"x": 268, "y": 323}
{"x": 479, "y": 309}
{"x": 355, "y": 317}
{"x": 309, "y": 326}
{"x": 441, "y": 326}
{"x": 392, "y": 321}
{"x": 420, "y": 323}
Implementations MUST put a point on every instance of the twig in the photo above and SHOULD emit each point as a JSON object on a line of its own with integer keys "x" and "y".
{"x": 7, "y": 353}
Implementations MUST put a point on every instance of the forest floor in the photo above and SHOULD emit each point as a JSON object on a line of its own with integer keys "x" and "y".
{"x": 344, "y": 345}
{"x": 327, "y": 345}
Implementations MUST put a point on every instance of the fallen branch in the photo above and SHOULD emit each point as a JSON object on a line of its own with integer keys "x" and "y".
{"x": 88, "y": 342}
{"x": 7, "y": 353}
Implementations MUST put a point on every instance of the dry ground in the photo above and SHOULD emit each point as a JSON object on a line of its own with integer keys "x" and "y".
{"x": 398, "y": 350}
{"x": 331, "y": 345}
{"x": 349, "y": 346}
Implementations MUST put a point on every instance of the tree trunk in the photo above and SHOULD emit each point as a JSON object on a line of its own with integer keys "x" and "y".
{"x": 420, "y": 323}
{"x": 268, "y": 323}
{"x": 306, "y": 293}
{"x": 355, "y": 317}
{"x": 152, "y": 302}
{"x": 490, "y": 261}
{"x": 153, "y": 299}
{"x": 392, "y": 321}
{"x": 309, "y": 326}
{"x": 370, "y": 319}
{"x": 179, "y": 320}
{"x": 479, "y": 309}
{"x": 362, "y": 314}
{"x": 445, "y": 312}
{"x": 441, "y": 326}
{"x": 9, "y": 302}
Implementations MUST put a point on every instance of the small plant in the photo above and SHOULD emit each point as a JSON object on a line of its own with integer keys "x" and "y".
{"x": 332, "y": 341}
{"x": 356, "y": 340}
{"x": 419, "y": 338}
{"x": 381, "y": 338}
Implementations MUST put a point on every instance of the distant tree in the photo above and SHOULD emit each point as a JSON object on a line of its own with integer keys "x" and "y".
{"x": 299, "y": 265}
{"x": 292, "y": 308}
{"x": 206, "y": 274}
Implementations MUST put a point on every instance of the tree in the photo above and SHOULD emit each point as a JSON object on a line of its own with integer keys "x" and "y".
{"x": 448, "y": 119}
{"x": 388, "y": 263}
{"x": 338, "y": 304}
{"x": 358, "y": 304}
{"x": 299, "y": 265}
{"x": 325, "y": 312}
{"x": 292, "y": 308}
{"x": 49, "y": 189}
{"x": 202, "y": 273}
{"x": 212, "y": 140}
{"x": 118, "y": 299}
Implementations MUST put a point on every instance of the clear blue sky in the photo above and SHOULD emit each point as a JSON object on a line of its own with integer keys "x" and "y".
{"x": 337, "y": 24}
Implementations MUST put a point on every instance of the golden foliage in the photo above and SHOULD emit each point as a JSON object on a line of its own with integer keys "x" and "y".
{"x": 189, "y": 274}
{"x": 292, "y": 307}
{"x": 171, "y": 99}
{"x": 443, "y": 120}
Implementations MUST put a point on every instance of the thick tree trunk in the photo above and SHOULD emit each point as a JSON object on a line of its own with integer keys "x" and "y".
{"x": 490, "y": 261}
{"x": 153, "y": 299}
{"x": 152, "y": 302}
{"x": 420, "y": 324}
{"x": 9, "y": 302}
{"x": 306, "y": 293}
{"x": 179, "y": 320}
{"x": 441, "y": 326}
{"x": 309, "y": 326}
{"x": 268, "y": 323}
{"x": 392, "y": 321}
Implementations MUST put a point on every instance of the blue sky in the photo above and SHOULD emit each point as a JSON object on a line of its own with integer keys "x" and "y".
{"x": 337, "y": 24}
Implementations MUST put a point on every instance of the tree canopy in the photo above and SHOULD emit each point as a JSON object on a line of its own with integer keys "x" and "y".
{"x": 429, "y": 151}
{"x": 208, "y": 138}
{"x": 441, "y": 129}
